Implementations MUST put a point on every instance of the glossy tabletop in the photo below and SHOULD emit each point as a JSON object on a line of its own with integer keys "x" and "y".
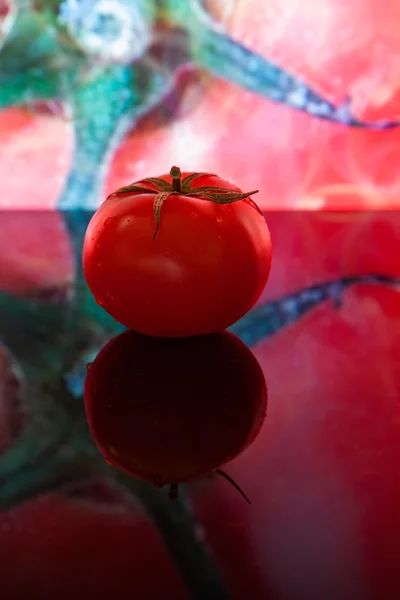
{"x": 321, "y": 475}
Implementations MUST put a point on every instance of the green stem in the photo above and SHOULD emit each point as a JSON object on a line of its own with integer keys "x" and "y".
{"x": 183, "y": 539}
{"x": 46, "y": 476}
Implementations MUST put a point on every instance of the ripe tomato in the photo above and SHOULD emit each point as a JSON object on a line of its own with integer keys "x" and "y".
{"x": 170, "y": 410}
{"x": 205, "y": 268}
{"x": 26, "y": 264}
{"x": 33, "y": 140}
{"x": 83, "y": 549}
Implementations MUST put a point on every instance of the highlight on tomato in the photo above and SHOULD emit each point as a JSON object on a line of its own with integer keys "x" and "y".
{"x": 178, "y": 255}
{"x": 170, "y": 410}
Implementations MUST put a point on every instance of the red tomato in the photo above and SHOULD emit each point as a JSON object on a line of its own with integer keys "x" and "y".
{"x": 206, "y": 267}
{"x": 29, "y": 143}
{"x": 26, "y": 262}
{"x": 170, "y": 410}
{"x": 53, "y": 547}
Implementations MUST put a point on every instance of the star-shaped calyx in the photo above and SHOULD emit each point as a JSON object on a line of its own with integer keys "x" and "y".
{"x": 162, "y": 189}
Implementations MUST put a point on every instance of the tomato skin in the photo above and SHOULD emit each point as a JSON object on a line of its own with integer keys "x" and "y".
{"x": 170, "y": 410}
{"x": 205, "y": 269}
{"x": 83, "y": 549}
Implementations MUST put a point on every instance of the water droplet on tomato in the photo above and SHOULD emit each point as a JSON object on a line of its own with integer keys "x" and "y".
{"x": 219, "y": 237}
{"x": 99, "y": 264}
{"x": 100, "y": 302}
{"x": 110, "y": 296}
{"x": 89, "y": 365}
{"x": 108, "y": 221}
{"x": 195, "y": 214}
{"x": 219, "y": 220}
{"x": 97, "y": 245}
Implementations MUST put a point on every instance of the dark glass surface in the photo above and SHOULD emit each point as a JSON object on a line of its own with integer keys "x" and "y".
{"x": 322, "y": 474}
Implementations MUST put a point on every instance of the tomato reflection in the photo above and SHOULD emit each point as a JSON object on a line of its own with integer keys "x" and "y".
{"x": 171, "y": 410}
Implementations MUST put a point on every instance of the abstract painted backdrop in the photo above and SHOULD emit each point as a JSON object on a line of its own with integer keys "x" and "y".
{"x": 296, "y": 99}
